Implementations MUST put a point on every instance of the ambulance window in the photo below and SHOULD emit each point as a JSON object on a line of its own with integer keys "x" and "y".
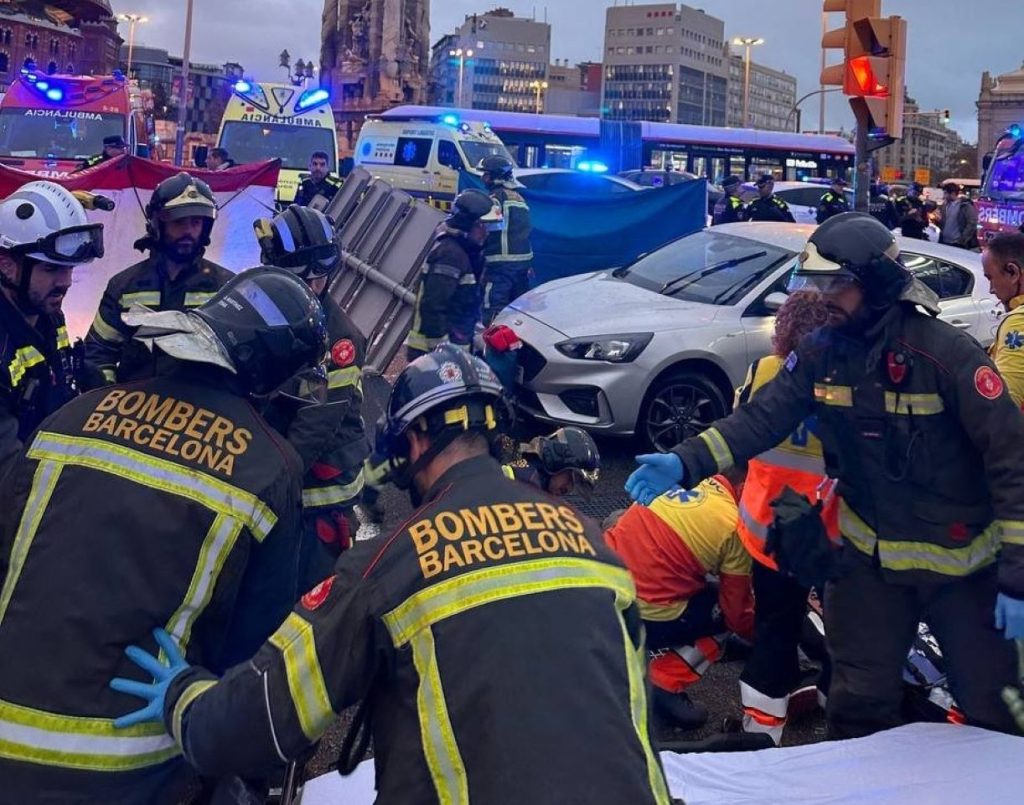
{"x": 413, "y": 152}
{"x": 448, "y": 154}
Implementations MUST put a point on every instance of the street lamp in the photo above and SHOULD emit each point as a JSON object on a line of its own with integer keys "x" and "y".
{"x": 132, "y": 20}
{"x": 186, "y": 55}
{"x": 747, "y": 42}
{"x": 539, "y": 86}
{"x": 462, "y": 56}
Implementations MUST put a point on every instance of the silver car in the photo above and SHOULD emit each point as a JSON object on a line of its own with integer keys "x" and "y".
{"x": 656, "y": 348}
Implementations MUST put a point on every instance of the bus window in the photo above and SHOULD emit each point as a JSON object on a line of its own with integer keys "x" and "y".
{"x": 738, "y": 167}
{"x": 530, "y": 156}
{"x": 561, "y": 156}
{"x": 448, "y": 155}
{"x": 773, "y": 167}
{"x": 413, "y": 152}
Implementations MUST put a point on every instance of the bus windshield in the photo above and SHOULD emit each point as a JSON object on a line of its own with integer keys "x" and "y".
{"x": 55, "y": 134}
{"x": 255, "y": 142}
{"x": 1005, "y": 180}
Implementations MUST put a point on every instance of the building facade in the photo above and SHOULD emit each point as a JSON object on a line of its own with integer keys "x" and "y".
{"x": 923, "y": 153}
{"x": 575, "y": 90}
{"x": 1000, "y": 105}
{"x": 772, "y": 96}
{"x": 664, "y": 63}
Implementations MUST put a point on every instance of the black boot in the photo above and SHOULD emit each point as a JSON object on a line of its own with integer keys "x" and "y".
{"x": 677, "y": 710}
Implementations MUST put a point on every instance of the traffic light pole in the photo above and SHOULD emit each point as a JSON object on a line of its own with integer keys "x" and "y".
{"x": 862, "y": 162}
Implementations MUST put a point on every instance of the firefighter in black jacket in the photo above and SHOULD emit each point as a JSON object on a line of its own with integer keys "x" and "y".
{"x": 165, "y": 502}
{"x": 179, "y": 219}
{"x": 44, "y": 234}
{"x": 492, "y": 598}
{"x": 730, "y": 208}
{"x": 329, "y": 436}
{"x": 768, "y": 206}
{"x": 507, "y": 253}
{"x": 924, "y": 440}
{"x": 448, "y": 302}
{"x": 833, "y": 201}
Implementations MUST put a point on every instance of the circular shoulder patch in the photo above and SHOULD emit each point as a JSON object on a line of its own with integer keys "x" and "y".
{"x": 449, "y": 372}
{"x": 315, "y": 597}
{"x": 988, "y": 383}
{"x": 343, "y": 353}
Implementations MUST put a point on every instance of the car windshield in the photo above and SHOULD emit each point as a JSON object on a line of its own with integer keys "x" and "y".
{"x": 33, "y": 133}
{"x": 475, "y": 151}
{"x": 1005, "y": 179}
{"x": 680, "y": 269}
{"x": 256, "y": 142}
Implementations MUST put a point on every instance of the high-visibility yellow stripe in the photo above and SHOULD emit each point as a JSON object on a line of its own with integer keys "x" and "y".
{"x": 294, "y": 639}
{"x": 340, "y": 378}
{"x": 479, "y": 587}
{"x": 109, "y": 375}
{"x": 718, "y": 447}
{"x": 440, "y": 749}
{"x": 106, "y": 331}
{"x": 63, "y": 341}
{"x": 417, "y": 340}
{"x": 333, "y": 495}
{"x": 190, "y": 694}
{"x": 508, "y": 472}
{"x": 157, "y": 473}
{"x": 841, "y": 396}
{"x": 220, "y": 541}
{"x": 913, "y": 404}
{"x": 196, "y": 298}
{"x": 43, "y": 483}
{"x": 1011, "y": 531}
{"x": 148, "y": 298}
{"x": 24, "y": 359}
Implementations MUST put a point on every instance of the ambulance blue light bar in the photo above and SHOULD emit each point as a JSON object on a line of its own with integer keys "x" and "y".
{"x": 54, "y": 94}
{"x": 242, "y": 87}
{"x": 592, "y": 167}
{"x": 1014, "y": 131}
{"x": 313, "y": 97}
{"x": 450, "y": 120}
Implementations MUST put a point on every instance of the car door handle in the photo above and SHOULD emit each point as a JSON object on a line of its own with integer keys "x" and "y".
{"x": 961, "y": 324}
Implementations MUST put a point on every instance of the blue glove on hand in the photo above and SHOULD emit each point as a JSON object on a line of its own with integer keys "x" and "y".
{"x": 1010, "y": 616}
{"x": 656, "y": 475}
{"x": 155, "y": 692}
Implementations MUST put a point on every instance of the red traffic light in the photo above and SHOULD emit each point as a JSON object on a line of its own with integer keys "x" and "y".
{"x": 865, "y": 83}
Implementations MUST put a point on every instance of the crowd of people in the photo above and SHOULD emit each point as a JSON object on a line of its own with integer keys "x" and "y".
{"x": 183, "y": 486}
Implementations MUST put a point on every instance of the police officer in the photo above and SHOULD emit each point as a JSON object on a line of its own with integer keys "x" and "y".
{"x": 833, "y": 201}
{"x": 924, "y": 441}
{"x": 44, "y": 234}
{"x": 560, "y": 463}
{"x": 910, "y": 201}
{"x": 318, "y": 183}
{"x": 507, "y": 254}
{"x": 768, "y": 206}
{"x": 1003, "y": 264}
{"x": 113, "y": 146}
{"x": 448, "y": 302}
{"x": 329, "y": 437}
{"x": 490, "y": 589}
{"x": 881, "y": 206}
{"x": 165, "y": 502}
{"x": 175, "y": 276}
{"x": 730, "y": 208}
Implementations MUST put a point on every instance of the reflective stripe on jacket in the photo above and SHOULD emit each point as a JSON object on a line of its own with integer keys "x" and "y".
{"x": 512, "y": 243}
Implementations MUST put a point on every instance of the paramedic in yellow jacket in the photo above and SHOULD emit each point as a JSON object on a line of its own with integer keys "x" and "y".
{"x": 1003, "y": 261}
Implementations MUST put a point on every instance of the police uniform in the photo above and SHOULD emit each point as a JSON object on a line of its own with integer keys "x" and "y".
{"x": 36, "y": 375}
{"x": 507, "y": 254}
{"x": 448, "y": 302}
{"x": 881, "y": 207}
{"x": 729, "y": 210}
{"x": 769, "y": 208}
{"x": 108, "y": 345}
{"x": 924, "y": 441}
{"x": 308, "y": 190}
{"x": 166, "y": 502}
{"x": 670, "y": 549}
{"x": 831, "y": 203}
{"x": 493, "y": 599}
{"x": 1007, "y": 350}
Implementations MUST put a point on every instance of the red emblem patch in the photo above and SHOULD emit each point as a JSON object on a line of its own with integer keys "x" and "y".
{"x": 315, "y": 597}
{"x": 343, "y": 353}
{"x": 897, "y": 365}
{"x": 988, "y": 383}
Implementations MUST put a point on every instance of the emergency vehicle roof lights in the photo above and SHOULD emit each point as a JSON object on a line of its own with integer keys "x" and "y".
{"x": 592, "y": 167}
{"x": 464, "y": 128}
{"x": 313, "y": 97}
{"x": 450, "y": 120}
{"x": 242, "y": 86}
{"x": 1014, "y": 131}
{"x": 42, "y": 85}
{"x": 55, "y": 94}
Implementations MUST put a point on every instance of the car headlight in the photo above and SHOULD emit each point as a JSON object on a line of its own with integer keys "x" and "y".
{"x": 612, "y": 348}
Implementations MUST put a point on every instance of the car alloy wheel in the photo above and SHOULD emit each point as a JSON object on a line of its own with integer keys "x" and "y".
{"x": 679, "y": 406}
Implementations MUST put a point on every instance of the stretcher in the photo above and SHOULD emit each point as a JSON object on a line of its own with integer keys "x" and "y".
{"x": 927, "y": 764}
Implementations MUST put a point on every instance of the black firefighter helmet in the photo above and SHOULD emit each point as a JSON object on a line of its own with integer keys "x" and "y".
{"x": 300, "y": 240}
{"x": 180, "y": 196}
{"x": 567, "y": 448}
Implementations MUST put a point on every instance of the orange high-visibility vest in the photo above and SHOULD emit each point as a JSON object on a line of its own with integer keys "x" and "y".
{"x": 797, "y": 463}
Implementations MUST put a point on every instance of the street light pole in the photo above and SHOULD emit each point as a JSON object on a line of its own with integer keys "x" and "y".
{"x": 462, "y": 55}
{"x": 179, "y": 139}
{"x": 538, "y": 86}
{"x": 132, "y": 20}
{"x": 747, "y": 42}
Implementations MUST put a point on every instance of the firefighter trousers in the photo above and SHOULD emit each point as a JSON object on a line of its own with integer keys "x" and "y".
{"x": 870, "y": 624}
{"x": 503, "y": 284}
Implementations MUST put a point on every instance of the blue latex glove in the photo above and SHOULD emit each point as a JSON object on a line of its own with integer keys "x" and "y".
{"x": 1010, "y": 616}
{"x": 154, "y": 692}
{"x": 657, "y": 473}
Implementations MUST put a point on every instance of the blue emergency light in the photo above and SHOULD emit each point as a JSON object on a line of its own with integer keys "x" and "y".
{"x": 242, "y": 87}
{"x": 42, "y": 85}
{"x": 312, "y": 97}
{"x": 55, "y": 94}
{"x": 592, "y": 167}
{"x": 1014, "y": 131}
{"x": 450, "y": 120}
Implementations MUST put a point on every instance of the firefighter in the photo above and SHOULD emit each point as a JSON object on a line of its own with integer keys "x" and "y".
{"x": 730, "y": 208}
{"x": 318, "y": 183}
{"x": 329, "y": 437}
{"x": 670, "y": 549}
{"x": 768, "y": 206}
{"x": 1003, "y": 263}
{"x": 560, "y": 463}
{"x": 165, "y": 502}
{"x": 491, "y": 598}
{"x": 448, "y": 302}
{"x": 44, "y": 234}
{"x": 507, "y": 253}
{"x": 833, "y": 201}
{"x": 175, "y": 276}
{"x": 772, "y": 673}
{"x": 924, "y": 441}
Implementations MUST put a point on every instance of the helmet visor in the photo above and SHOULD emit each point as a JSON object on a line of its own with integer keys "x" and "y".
{"x": 71, "y": 246}
{"x": 822, "y": 283}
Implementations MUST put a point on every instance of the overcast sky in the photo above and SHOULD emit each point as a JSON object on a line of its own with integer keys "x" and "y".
{"x": 951, "y": 42}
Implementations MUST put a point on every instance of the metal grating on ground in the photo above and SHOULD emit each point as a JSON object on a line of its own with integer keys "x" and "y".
{"x": 600, "y": 505}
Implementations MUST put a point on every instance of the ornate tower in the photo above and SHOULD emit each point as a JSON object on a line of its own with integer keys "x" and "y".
{"x": 374, "y": 55}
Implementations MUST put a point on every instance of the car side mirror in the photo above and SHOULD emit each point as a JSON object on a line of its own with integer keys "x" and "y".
{"x": 775, "y": 300}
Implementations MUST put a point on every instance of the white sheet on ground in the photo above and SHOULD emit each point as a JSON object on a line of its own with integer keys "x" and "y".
{"x": 926, "y": 764}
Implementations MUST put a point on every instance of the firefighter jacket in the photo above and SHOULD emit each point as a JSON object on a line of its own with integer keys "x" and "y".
{"x": 109, "y": 346}
{"x": 308, "y": 190}
{"x": 512, "y": 244}
{"x": 448, "y": 302}
{"x": 796, "y": 462}
{"x": 770, "y": 208}
{"x": 919, "y": 431}
{"x": 495, "y": 645}
{"x": 831, "y": 204}
{"x": 163, "y": 503}
{"x": 672, "y": 546}
{"x": 1007, "y": 350}
{"x": 36, "y": 376}
{"x": 729, "y": 210}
